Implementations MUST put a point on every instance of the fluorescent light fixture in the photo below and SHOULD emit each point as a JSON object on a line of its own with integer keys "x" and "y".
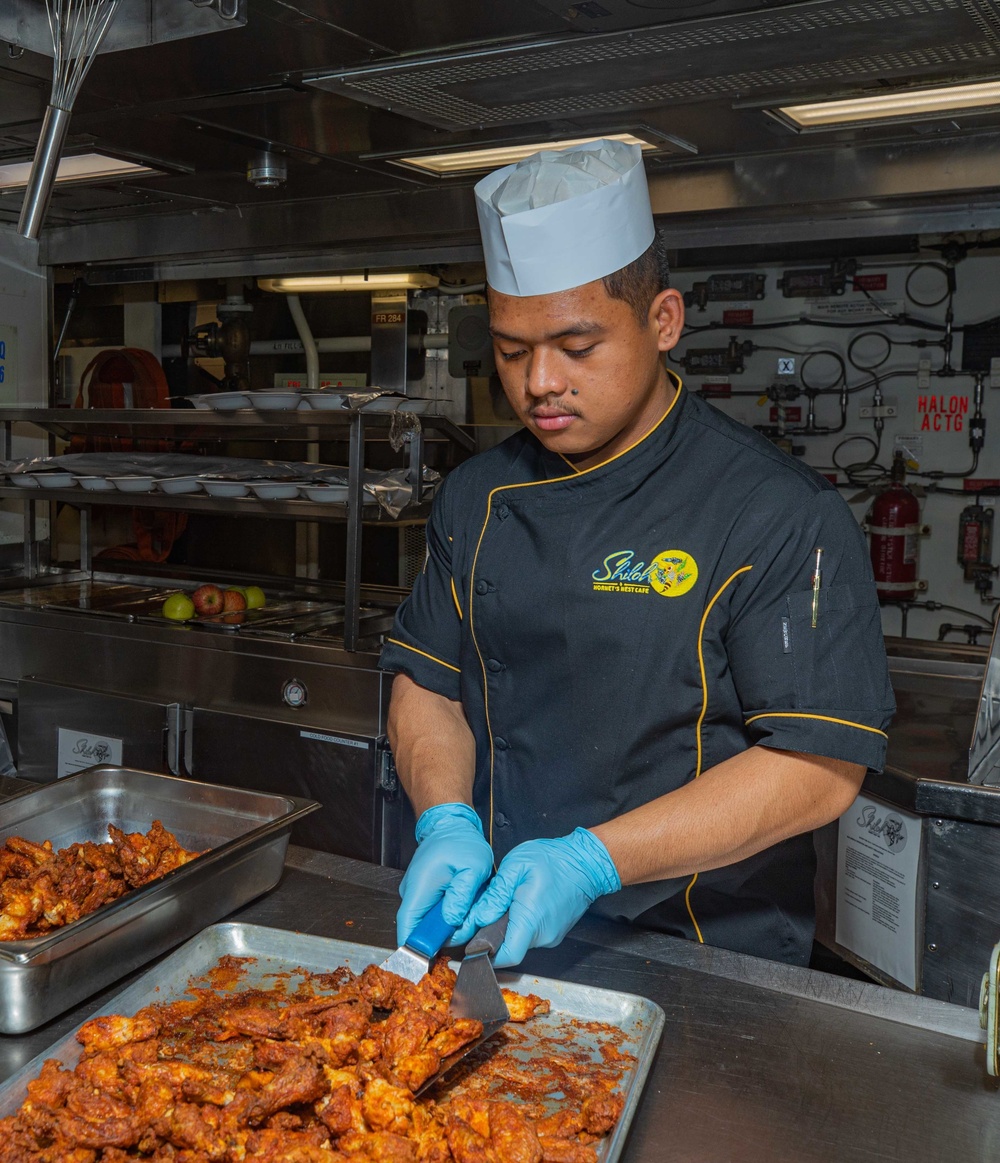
{"x": 84, "y": 167}
{"x": 372, "y": 281}
{"x": 442, "y": 165}
{"x": 889, "y": 107}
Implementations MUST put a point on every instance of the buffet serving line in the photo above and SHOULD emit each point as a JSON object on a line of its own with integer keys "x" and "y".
{"x": 757, "y": 1061}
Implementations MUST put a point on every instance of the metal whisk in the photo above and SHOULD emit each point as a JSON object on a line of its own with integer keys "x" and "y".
{"x": 77, "y": 27}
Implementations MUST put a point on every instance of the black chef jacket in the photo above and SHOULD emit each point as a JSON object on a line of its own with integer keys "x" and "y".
{"x": 613, "y": 633}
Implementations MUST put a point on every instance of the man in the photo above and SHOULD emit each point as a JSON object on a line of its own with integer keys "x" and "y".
{"x": 619, "y": 678}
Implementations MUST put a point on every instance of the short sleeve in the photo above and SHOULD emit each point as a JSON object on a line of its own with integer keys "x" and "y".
{"x": 820, "y": 689}
{"x": 424, "y": 642}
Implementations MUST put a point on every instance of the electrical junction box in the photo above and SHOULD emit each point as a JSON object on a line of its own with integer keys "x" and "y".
{"x": 707, "y": 361}
{"x": 818, "y": 283}
{"x": 726, "y": 289}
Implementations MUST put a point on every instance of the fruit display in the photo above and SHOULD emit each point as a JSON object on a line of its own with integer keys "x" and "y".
{"x": 233, "y": 600}
{"x": 210, "y": 600}
{"x": 207, "y": 599}
{"x": 178, "y": 608}
{"x": 255, "y": 597}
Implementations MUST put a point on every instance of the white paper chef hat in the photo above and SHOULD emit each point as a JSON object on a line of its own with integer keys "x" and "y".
{"x": 562, "y": 218}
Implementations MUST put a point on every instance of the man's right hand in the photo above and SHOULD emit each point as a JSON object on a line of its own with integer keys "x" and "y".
{"x": 453, "y": 861}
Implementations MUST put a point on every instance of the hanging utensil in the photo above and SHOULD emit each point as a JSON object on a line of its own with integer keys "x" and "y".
{"x": 77, "y": 27}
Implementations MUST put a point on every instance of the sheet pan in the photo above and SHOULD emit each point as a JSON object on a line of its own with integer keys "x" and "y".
{"x": 278, "y": 951}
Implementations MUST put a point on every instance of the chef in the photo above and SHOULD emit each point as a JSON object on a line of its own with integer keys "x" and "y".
{"x": 644, "y": 658}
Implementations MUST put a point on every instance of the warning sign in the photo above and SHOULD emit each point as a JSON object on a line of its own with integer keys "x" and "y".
{"x": 870, "y": 282}
{"x": 850, "y": 310}
{"x": 738, "y": 317}
{"x": 942, "y": 413}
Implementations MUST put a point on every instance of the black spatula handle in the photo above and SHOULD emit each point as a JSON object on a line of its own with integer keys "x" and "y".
{"x": 490, "y": 939}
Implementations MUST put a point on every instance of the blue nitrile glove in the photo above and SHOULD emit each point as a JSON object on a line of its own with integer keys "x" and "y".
{"x": 452, "y": 860}
{"x": 547, "y": 885}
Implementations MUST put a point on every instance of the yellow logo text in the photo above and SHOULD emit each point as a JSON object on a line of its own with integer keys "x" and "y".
{"x": 670, "y": 574}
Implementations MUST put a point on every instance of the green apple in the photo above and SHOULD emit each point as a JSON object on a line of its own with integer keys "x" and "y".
{"x": 178, "y": 608}
{"x": 254, "y": 596}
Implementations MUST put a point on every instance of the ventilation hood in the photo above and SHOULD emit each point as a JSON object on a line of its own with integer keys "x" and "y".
{"x": 336, "y": 92}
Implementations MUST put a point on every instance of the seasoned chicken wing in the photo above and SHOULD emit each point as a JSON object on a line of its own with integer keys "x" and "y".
{"x": 566, "y": 1151}
{"x": 41, "y": 890}
{"x": 460, "y": 1033}
{"x": 466, "y": 1144}
{"x": 295, "y": 1075}
{"x": 522, "y": 1007}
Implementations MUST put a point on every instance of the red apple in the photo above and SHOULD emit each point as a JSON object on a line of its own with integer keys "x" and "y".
{"x": 207, "y": 599}
{"x": 233, "y": 600}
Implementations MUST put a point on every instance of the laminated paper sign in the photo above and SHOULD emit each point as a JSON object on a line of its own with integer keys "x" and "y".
{"x": 878, "y": 860}
{"x": 80, "y": 749}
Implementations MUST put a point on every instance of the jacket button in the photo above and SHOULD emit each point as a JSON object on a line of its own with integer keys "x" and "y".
{"x": 503, "y": 512}
{"x": 482, "y": 587}
{"x": 500, "y": 820}
{"x": 493, "y": 666}
{"x": 500, "y": 743}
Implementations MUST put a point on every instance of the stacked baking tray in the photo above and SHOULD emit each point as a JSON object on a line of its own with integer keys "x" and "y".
{"x": 228, "y": 477}
{"x": 324, "y": 400}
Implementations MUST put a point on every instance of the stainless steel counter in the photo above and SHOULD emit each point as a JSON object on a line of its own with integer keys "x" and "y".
{"x": 758, "y": 1061}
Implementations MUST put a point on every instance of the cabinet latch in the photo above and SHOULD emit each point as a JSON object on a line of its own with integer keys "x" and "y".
{"x": 388, "y": 777}
{"x": 178, "y": 737}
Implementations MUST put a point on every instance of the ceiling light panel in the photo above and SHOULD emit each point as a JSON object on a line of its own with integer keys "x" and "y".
{"x": 911, "y": 104}
{"x": 468, "y": 161}
{"x": 84, "y": 167}
{"x": 372, "y": 281}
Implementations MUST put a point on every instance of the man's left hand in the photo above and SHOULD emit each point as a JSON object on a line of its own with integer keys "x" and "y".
{"x": 546, "y": 886}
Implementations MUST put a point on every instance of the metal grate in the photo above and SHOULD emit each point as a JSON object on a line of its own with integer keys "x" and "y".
{"x": 925, "y": 34}
{"x": 412, "y": 551}
{"x": 742, "y": 82}
{"x": 986, "y": 15}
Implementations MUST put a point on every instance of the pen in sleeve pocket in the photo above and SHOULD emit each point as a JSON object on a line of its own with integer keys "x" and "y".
{"x": 816, "y": 578}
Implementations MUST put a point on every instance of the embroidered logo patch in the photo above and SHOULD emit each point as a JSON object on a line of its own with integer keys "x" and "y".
{"x": 673, "y": 573}
{"x": 670, "y": 574}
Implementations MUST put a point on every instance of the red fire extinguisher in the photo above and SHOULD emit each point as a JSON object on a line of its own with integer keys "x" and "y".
{"x": 894, "y": 526}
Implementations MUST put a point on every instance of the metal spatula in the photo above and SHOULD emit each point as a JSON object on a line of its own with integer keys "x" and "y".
{"x": 477, "y": 993}
{"x": 413, "y": 958}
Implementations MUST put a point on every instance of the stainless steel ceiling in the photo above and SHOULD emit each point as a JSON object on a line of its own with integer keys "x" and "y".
{"x": 410, "y": 75}
{"x": 805, "y": 47}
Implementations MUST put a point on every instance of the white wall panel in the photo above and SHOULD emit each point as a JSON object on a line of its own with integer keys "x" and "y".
{"x": 943, "y": 438}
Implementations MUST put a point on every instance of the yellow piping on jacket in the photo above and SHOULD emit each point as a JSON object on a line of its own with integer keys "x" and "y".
{"x": 701, "y": 719}
{"x": 439, "y": 661}
{"x": 679, "y": 387}
{"x": 821, "y": 718}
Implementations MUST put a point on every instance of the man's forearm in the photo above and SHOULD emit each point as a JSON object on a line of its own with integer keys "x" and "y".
{"x": 432, "y": 745}
{"x": 734, "y": 810}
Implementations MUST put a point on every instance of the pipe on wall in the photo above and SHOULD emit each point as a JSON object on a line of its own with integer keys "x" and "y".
{"x": 308, "y": 342}
{"x": 335, "y": 345}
